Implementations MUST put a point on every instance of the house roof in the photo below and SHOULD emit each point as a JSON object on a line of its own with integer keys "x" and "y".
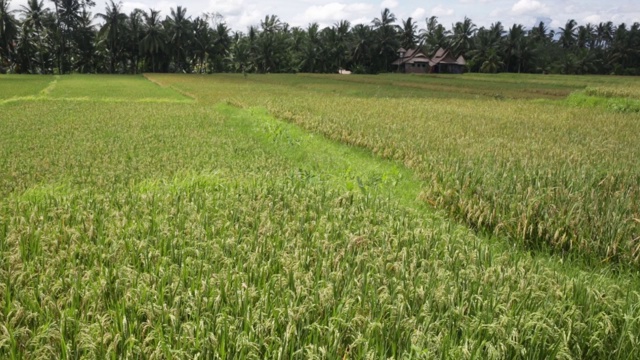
{"x": 442, "y": 56}
{"x": 411, "y": 56}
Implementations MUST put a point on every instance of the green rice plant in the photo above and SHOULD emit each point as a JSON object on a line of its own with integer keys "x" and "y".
{"x": 541, "y": 174}
{"x": 202, "y": 230}
{"x": 122, "y": 87}
{"x": 14, "y": 86}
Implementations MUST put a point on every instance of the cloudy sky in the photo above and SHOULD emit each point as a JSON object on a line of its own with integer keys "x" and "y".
{"x": 241, "y": 13}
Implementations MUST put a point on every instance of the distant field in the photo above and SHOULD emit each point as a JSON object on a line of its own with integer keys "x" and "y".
{"x": 306, "y": 216}
{"x": 21, "y": 85}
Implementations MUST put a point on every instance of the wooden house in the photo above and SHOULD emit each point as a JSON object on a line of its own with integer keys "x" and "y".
{"x": 414, "y": 61}
{"x": 443, "y": 62}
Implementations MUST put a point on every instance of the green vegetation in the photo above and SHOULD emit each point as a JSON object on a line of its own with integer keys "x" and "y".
{"x": 12, "y": 86}
{"x": 211, "y": 228}
{"x": 110, "y": 88}
{"x": 541, "y": 173}
{"x": 65, "y": 38}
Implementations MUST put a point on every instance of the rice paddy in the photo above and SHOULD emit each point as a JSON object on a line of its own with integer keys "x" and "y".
{"x": 299, "y": 217}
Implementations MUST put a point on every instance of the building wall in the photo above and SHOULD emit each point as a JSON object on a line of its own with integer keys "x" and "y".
{"x": 417, "y": 68}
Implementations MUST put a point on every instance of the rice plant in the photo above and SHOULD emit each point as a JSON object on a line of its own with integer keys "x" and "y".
{"x": 203, "y": 230}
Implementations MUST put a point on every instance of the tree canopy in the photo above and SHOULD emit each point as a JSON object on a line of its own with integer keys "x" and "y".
{"x": 69, "y": 38}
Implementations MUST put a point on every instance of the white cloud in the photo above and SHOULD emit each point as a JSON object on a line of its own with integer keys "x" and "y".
{"x": 440, "y": 10}
{"x": 128, "y": 6}
{"x": 594, "y": 19}
{"x": 228, "y": 7}
{"x": 418, "y": 14}
{"x": 529, "y": 7}
{"x": 336, "y": 11}
{"x": 389, "y": 4}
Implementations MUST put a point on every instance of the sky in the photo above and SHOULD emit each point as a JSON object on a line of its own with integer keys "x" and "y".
{"x": 239, "y": 14}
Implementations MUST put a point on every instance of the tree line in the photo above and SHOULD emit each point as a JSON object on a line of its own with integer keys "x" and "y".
{"x": 68, "y": 38}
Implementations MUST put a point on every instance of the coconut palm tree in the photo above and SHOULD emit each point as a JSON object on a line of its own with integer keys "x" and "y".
{"x": 361, "y": 49}
{"x": 461, "y": 39}
{"x": 113, "y": 32}
{"x": 568, "y": 34}
{"x": 408, "y": 34}
{"x": 435, "y": 36}
{"x": 219, "y": 51}
{"x": 34, "y": 13}
{"x": 84, "y": 43}
{"x": 153, "y": 37}
{"x": 180, "y": 36}
{"x": 340, "y": 45}
{"x": 386, "y": 38}
{"x": 8, "y": 34}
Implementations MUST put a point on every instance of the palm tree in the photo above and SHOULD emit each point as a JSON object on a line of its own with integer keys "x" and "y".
{"x": 8, "y": 33}
{"x": 604, "y": 34}
{"x": 113, "y": 31}
{"x": 408, "y": 34}
{"x": 585, "y": 36}
{"x": 135, "y": 32}
{"x": 485, "y": 54}
{"x": 568, "y": 34}
{"x": 512, "y": 45}
{"x": 218, "y": 53}
{"x": 361, "y": 48}
{"x": 84, "y": 40}
{"x": 68, "y": 16}
{"x": 311, "y": 49}
{"x": 270, "y": 45}
{"x": 271, "y": 24}
{"x": 435, "y": 36}
{"x": 492, "y": 62}
{"x": 180, "y": 34}
{"x": 386, "y": 36}
{"x": 462, "y": 35}
{"x": 34, "y": 13}
{"x": 202, "y": 41}
{"x": 340, "y": 44}
{"x": 154, "y": 39}
{"x": 240, "y": 55}
{"x": 497, "y": 31}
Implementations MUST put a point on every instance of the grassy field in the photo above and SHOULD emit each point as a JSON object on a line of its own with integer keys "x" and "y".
{"x": 317, "y": 217}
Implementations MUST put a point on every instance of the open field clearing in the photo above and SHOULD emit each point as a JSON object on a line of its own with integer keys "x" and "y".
{"x": 208, "y": 227}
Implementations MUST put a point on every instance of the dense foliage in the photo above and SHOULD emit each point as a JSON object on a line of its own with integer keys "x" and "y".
{"x": 36, "y": 39}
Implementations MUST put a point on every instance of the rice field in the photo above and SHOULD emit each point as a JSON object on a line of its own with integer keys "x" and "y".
{"x": 554, "y": 174}
{"x": 301, "y": 217}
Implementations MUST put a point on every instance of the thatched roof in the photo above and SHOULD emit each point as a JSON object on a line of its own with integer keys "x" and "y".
{"x": 411, "y": 56}
{"x": 442, "y": 56}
